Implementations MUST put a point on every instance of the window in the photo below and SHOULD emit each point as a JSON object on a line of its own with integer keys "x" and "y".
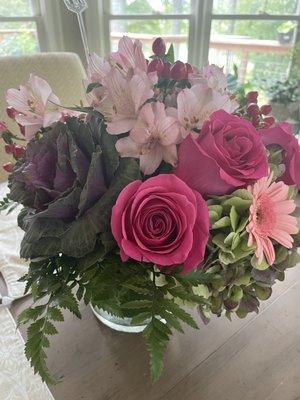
{"x": 20, "y": 25}
{"x": 258, "y": 36}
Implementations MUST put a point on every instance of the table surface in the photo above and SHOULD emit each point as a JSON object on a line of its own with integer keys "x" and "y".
{"x": 254, "y": 358}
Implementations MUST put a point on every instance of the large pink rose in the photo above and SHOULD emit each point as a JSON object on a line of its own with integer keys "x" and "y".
{"x": 227, "y": 154}
{"x": 161, "y": 221}
{"x": 281, "y": 135}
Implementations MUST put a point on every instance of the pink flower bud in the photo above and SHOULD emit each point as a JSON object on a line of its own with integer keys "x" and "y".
{"x": 253, "y": 109}
{"x": 252, "y": 97}
{"x": 9, "y": 148}
{"x": 269, "y": 120}
{"x": 265, "y": 109}
{"x": 3, "y": 127}
{"x": 19, "y": 151}
{"x": 11, "y": 112}
{"x": 8, "y": 167}
{"x": 166, "y": 71}
{"x": 156, "y": 65}
{"x": 159, "y": 47}
{"x": 178, "y": 71}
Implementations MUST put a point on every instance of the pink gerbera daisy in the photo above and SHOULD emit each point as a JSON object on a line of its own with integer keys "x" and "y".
{"x": 269, "y": 218}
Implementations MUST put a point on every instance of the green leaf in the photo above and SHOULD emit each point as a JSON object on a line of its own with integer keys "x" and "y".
{"x": 141, "y": 317}
{"x": 49, "y": 328}
{"x": 91, "y": 258}
{"x": 179, "y": 312}
{"x": 169, "y": 56}
{"x": 234, "y": 218}
{"x": 55, "y": 314}
{"x": 221, "y": 223}
{"x": 239, "y": 203}
{"x": 171, "y": 320}
{"x": 68, "y": 301}
{"x": 136, "y": 304}
{"x": 92, "y": 86}
{"x": 31, "y": 313}
{"x": 260, "y": 266}
{"x": 156, "y": 344}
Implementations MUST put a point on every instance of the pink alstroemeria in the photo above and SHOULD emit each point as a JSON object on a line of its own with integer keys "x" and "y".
{"x": 124, "y": 99}
{"x": 195, "y": 105}
{"x": 129, "y": 56}
{"x": 211, "y": 75}
{"x": 153, "y": 139}
{"x": 36, "y": 105}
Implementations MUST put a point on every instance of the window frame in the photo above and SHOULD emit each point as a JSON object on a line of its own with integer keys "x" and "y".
{"x": 98, "y": 17}
{"x": 48, "y": 20}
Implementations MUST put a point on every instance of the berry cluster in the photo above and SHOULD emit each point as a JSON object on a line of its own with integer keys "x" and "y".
{"x": 177, "y": 71}
{"x": 10, "y": 146}
{"x": 259, "y": 116}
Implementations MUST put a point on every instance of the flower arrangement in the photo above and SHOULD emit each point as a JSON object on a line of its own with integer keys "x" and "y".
{"x": 167, "y": 192}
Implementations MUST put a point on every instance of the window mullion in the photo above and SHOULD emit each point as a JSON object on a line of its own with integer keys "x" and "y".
{"x": 200, "y": 32}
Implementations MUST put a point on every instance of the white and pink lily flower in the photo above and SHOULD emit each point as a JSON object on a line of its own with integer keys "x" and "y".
{"x": 211, "y": 75}
{"x": 153, "y": 138}
{"x": 124, "y": 100}
{"x": 195, "y": 105}
{"x": 129, "y": 56}
{"x": 35, "y": 106}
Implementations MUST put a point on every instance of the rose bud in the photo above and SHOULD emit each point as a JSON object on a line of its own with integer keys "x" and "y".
{"x": 166, "y": 71}
{"x": 9, "y": 148}
{"x": 22, "y": 129}
{"x": 156, "y": 65}
{"x": 8, "y": 167}
{"x": 159, "y": 47}
{"x": 178, "y": 71}
{"x": 3, "y": 127}
{"x": 252, "y": 97}
{"x": 19, "y": 151}
{"x": 253, "y": 109}
{"x": 265, "y": 109}
{"x": 11, "y": 112}
{"x": 269, "y": 120}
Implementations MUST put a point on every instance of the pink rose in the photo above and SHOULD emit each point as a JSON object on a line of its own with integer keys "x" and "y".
{"x": 282, "y": 136}
{"x": 227, "y": 154}
{"x": 161, "y": 221}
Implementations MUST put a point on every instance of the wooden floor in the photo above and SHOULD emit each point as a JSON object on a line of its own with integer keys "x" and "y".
{"x": 257, "y": 358}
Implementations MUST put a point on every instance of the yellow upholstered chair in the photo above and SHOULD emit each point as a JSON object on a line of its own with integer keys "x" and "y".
{"x": 63, "y": 71}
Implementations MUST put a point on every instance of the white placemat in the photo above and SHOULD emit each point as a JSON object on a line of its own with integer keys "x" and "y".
{"x": 17, "y": 379}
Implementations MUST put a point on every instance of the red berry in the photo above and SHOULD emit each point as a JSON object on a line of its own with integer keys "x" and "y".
{"x": 253, "y": 109}
{"x": 159, "y": 47}
{"x": 8, "y": 167}
{"x": 269, "y": 120}
{"x": 9, "y": 148}
{"x": 11, "y": 112}
{"x": 178, "y": 71}
{"x": 255, "y": 121}
{"x": 166, "y": 71}
{"x": 252, "y": 97}
{"x": 266, "y": 109}
{"x": 156, "y": 65}
{"x": 3, "y": 127}
{"x": 19, "y": 151}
